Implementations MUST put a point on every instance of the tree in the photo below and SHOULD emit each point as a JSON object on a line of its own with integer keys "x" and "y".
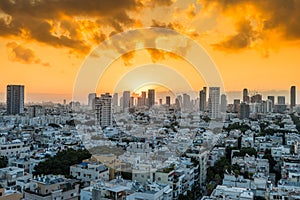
{"x": 61, "y": 162}
{"x": 246, "y": 150}
{"x": 3, "y": 161}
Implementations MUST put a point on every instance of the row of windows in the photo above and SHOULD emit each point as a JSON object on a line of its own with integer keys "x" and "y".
{"x": 12, "y": 147}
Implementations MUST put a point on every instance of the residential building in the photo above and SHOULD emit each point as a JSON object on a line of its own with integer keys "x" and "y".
{"x": 15, "y": 99}
{"x": 51, "y": 187}
{"x": 104, "y": 110}
{"x": 214, "y": 102}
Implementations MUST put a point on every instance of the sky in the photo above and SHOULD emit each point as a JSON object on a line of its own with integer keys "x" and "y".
{"x": 45, "y": 43}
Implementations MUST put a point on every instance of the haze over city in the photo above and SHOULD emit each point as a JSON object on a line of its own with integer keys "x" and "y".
{"x": 253, "y": 44}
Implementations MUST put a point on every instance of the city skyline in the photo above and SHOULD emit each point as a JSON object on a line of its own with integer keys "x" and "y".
{"x": 239, "y": 45}
{"x": 59, "y": 98}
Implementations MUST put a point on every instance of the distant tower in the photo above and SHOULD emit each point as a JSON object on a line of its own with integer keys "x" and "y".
{"x": 151, "y": 97}
{"x": 244, "y": 111}
{"x": 272, "y": 98}
{"x": 293, "y": 97}
{"x": 186, "y": 101}
{"x": 202, "y": 103}
{"x": 223, "y": 103}
{"x": 160, "y": 101}
{"x": 15, "y": 99}
{"x": 103, "y": 110}
{"x": 115, "y": 100}
{"x": 256, "y": 98}
{"x": 91, "y": 100}
{"x": 281, "y": 100}
{"x": 214, "y": 102}
{"x": 144, "y": 98}
{"x": 126, "y": 100}
{"x": 168, "y": 100}
{"x": 236, "y": 105}
{"x": 246, "y": 98}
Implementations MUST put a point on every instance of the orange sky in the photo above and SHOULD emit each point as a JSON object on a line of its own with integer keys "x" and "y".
{"x": 254, "y": 44}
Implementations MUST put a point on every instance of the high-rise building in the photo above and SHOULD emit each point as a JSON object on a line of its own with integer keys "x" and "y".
{"x": 103, "y": 110}
{"x": 257, "y": 98}
{"x": 267, "y": 106}
{"x": 214, "y": 102}
{"x": 223, "y": 103}
{"x": 126, "y": 100}
{"x": 160, "y": 101}
{"x": 144, "y": 98}
{"x": 35, "y": 110}
{"x": 186, "y": 101}
{"x": 281, "y": 100}
{"x": 202, "y": 96}
{"x": 236, "y": 105}
{"x": 272, "y": 98}
{"x": 131, "y": 102}
{"x": 91, "y": 100}
{"x": 15, "y": 99}
{"x": 244, "y": 111}
{"x": 246, "y": 98}
{"x": 168, "y": 100}
{"x": 115, "y": 100}
{"x": 293, "y": 97}
{"x": 151, "y": 97}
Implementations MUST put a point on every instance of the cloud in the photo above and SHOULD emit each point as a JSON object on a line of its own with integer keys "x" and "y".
{"x": 19, "y": 53}
{"x": 270, "y": 19}
{"x": 191, "y": 11}
{"x": 242, "y": 40}
{"x": 58, "y": 22}
{"x": 128, "y": 58}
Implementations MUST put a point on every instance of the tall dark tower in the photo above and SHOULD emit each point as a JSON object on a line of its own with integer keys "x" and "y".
{"x": 15, "y": 99}
{"x": 151, "y": 97}
{"x": 245, "y": 95}
{"x": 293, "y": 97}
{"x": 202, "y": 103}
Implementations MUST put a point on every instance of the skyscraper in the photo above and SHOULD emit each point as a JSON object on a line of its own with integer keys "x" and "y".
{"x": 236, "y": 105}
{"x": 244, "y": 111}
{"x": 281, "y": 100}
{"x": 214, "y": 102}
{"x": 126, "y": 100}
{"x": 115, "y": 100}
{"x": 15, "y": 99}
{"x": 103, "y": 110}
{"x": 223, "y": 103}
{"x": 202, "y": 103}
{"x": 186, "y": 101}
{"x": 168, "y": 100}
{"x": 256, "y": 98}
{"x": 246, "y": 98}
{"x": 293, "y": 97}
{"x": 91, "y": 100}
{"x": 151, "y": 97}
{"x": 272, "y": 98}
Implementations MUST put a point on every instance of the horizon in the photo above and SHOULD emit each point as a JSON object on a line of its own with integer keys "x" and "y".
{"x": 231, "y": 95}
{"x": 232, "y": 39}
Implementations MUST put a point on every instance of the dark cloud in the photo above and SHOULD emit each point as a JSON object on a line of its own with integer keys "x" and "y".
{"x": 19, "y": 53}
{"x": 37, "y": 19}
{"x": 277, "y": 16}
{"x": 128, "y": 58}
{"x": 242, "y": 40}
